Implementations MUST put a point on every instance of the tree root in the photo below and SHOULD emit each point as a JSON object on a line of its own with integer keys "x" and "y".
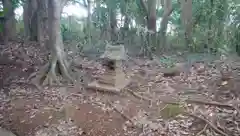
{"x": 210, "y": 124}
{"x": 50, "y": 72}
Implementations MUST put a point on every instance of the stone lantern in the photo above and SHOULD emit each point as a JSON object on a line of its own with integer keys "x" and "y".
{"x": 113, "y": 79}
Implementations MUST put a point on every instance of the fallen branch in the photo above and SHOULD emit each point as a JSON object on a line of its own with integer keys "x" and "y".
{"x": 121, "y": 113}
{"x": 203, "y": 130}
{"x": 208, "y": 123}
{"x": 138, "y": 96}
{"x": 213, "y": 103}
{"x": 204, "y": 102}
{"x": 163, "y": 99}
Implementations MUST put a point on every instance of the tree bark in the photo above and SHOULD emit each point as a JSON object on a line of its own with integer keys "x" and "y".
{"x": 164, "y": 23}
{"x": 221, "y": 14}
{"x": 58, "y": 63}
{"x": 89, "y": 22}
{"x": 30, "y": 20}
{"x": 113, "y": 24}
{"x": 152, "y": 23}
{"x": 148, "y": 19}
{"x": 9, "y": 20}
{"x": 152, "y": 15}
{"x": 125, "y": 28}
{"x": 210, "y": 25}
{"x": 186, "y": 17}
{"x": 42, "y": 21}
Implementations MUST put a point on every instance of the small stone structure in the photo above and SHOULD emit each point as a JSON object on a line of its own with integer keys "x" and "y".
{"x": 114, "y": 78}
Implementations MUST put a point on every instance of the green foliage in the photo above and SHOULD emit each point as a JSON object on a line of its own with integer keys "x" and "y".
{"x": 1, "y": 28}
{"x": 100, "y": 16}
{"x": 211, "y": 21}
{"x": 17, "y": 3}
{"x": 1, "y": 13}
{"x": 175, "y": 16}
{"x": 72, "y": 28}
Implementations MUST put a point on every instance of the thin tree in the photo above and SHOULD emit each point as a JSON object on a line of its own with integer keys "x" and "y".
{"x": 168, "y": 9}
{"x": 9, "y": 28}
{"x": 186, "y": 17}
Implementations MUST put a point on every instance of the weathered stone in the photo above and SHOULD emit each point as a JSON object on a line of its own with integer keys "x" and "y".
{"x": 114, "y": 78}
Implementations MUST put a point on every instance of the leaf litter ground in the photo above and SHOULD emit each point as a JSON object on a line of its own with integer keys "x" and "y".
{"x": 205, "y": 102}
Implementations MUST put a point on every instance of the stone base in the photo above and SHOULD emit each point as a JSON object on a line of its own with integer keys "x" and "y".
{"x": 108, "y": 88}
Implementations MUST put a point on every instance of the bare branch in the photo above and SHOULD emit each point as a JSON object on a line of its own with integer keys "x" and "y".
{"x": 209, "y": 123}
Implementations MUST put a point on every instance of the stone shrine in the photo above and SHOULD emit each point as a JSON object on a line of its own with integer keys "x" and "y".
{"x": 113, "y": 79}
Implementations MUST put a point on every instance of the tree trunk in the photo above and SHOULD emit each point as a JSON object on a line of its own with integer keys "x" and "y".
{"x": 210, "y": 26}
{"x": 89, "y": 23}
{"x": 26, "y": 19}
{"x": 221, "y": 14}
{"x": 164, "y": 23}
{"x": 113, "y": 24}
{"x": 152, "y": 22}
{"x": 2, "y": 20}
{"x": 30, "y": 20}
{"x": 186, "y": 17}
{"x": 125, "y": 28}
{"x": 42, "y": 21}
{"x": 58, "y": 64}
{"x": 148, "y": 20}
{"x": 9, "y": 20}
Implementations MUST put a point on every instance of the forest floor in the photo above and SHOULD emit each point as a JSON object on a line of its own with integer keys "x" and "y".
{"x": 206, "y": 102}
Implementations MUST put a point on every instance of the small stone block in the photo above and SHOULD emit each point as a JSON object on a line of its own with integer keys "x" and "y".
{"x": 108, "y": 88}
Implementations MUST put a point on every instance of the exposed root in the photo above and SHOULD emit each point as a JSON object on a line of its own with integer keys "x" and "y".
{"x": 35, "y": 74}
{"x": 50, "y": 72}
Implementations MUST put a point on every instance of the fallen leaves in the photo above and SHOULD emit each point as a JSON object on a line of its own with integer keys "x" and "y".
{"x": 63, "y": 128}
{"x": 149, "y": 87}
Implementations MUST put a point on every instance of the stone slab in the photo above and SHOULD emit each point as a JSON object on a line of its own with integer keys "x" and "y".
{"x": 108, "y": 88}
